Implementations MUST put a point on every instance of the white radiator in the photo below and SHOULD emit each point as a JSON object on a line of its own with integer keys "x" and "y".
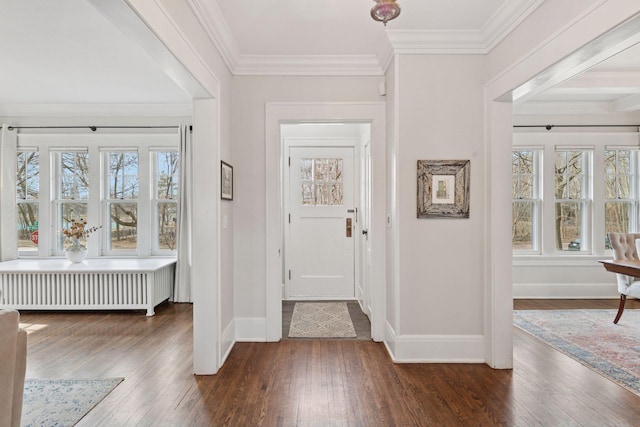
{"x": 71, "y": 288}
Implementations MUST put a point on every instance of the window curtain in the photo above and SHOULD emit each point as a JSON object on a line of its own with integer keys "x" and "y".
{"x": 182, "y": 288}
{"x": 8, "y": 214}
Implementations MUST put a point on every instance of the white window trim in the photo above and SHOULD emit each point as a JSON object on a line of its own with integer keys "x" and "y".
{"x": 46, "y": 143}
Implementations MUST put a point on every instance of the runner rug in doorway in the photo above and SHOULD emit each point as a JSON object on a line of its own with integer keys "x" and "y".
{"x": 321, "y": 320}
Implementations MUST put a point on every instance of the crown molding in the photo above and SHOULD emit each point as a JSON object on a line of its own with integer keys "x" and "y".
{"x": 217, "y": 28}
{"x": 480, "y": 42}
{"x": 93, "y": 110}
{"x": 305, "y": 65}
{"x": 506, "y": 19}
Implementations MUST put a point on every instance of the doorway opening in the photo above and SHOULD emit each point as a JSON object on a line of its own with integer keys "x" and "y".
{"x": 326, "y": 211}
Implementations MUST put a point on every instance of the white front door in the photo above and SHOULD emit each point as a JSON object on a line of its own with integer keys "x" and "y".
{"x": 321, "y": 223}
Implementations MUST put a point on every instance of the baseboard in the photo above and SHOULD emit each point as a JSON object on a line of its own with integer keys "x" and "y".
{"x": 227, "y": 341}
{"x": 251, "y": 329}
{"x": 434, "y": 348}
{"x": 565, "y": 290}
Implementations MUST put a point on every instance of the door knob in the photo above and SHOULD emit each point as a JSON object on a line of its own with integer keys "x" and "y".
{"x": 365, "y": 232}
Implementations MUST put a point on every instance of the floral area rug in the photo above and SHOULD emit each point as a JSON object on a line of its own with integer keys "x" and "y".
{"x": 591, "y": 338}
{"x": 321, "y": 320}
{"x": 62, "y": 403}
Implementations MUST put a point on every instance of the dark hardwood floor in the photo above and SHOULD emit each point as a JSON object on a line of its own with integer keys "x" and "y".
{"x": 312, "y": 382}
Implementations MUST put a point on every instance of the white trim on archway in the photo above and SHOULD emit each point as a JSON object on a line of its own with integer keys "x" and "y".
{"x": 556, "y": 60}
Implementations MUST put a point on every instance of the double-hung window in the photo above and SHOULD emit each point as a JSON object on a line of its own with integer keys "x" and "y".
{"x": 28, "y": 195}
{"x": 572, "y": 187}
{"x": 620, "y": 190}
{"x": 121, "y": 200}
{"x": 71, "y": 190}
{"x": 525, "y": 226}
{"x": 165, "y": 199}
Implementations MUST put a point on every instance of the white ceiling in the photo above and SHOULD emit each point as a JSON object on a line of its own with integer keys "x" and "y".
{"x": 72, "y": 52}
{"x": 66, "y": 52}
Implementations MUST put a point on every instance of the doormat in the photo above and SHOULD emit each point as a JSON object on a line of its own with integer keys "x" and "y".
{"x": 62, "y": 403}
{"x": 591, "y": 338}
{"x": 321, "y": 320}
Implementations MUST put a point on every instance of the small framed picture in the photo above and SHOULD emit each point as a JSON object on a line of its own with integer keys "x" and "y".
{"x": 443, "y": 188}
{"x": 226, "y": 181}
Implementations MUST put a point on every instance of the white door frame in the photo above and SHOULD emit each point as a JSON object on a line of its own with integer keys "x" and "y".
{"x": 291, "y": 112}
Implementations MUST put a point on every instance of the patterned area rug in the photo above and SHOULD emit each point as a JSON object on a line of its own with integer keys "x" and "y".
{"x": 591, "y": 338}
{"x": 62, "y": 403}
{"x": 321, "y": 320}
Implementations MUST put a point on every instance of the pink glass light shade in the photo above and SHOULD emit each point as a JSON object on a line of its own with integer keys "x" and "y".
{"x": 385, "y": 10}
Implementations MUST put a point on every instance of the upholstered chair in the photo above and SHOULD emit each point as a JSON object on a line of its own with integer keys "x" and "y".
{"x": 624, "y": 248}
{"x": 13, "y": 364}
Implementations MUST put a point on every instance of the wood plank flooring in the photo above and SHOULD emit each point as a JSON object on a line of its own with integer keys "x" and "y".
{"x": 311, "y": 382}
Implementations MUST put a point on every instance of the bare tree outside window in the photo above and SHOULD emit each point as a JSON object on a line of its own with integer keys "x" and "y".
{"x": 28, "y": 193}
{"x": 166, "y": 191}
{"x": 621, "y": 202}
{"x": 123, "y": 195}
{"x": 571, "y": 194}
{"x": 72, "y": 190}
{"x": 525, "y": 199}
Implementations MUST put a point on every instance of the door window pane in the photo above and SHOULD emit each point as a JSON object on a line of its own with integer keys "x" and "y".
{"x": 321, "y": 182}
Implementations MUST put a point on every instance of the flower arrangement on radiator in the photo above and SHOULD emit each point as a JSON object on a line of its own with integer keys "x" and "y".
{"x": 78, "y": 230}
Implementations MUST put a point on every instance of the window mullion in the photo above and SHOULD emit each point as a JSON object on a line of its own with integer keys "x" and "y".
{"x": 144, "y": 199}
{"x": 94, "y": 246}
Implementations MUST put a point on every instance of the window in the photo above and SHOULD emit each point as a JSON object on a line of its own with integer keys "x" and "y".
{"x": 620, "y": 191}
{"x": 570, "y": 189}
{"x": 571, "y": 200}
{"x": 526, "y": 200}
{"x": 28, "y": 194}
{"x": 125, "y": 183}
{"x": 165, "y": 196}
{"x": 121, "y": 200}
{"x": 71, "y": 193}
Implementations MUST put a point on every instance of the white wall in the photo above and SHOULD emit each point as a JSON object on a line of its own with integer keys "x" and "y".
{"x": 438, "y": 280}
{"x": 250, "y": 96}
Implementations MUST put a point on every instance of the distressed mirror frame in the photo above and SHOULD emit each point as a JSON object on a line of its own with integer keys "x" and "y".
{"x": 459, "y": 170}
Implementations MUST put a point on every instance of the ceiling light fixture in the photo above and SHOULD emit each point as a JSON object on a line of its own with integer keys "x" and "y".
{"x": 385, "y": 10}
